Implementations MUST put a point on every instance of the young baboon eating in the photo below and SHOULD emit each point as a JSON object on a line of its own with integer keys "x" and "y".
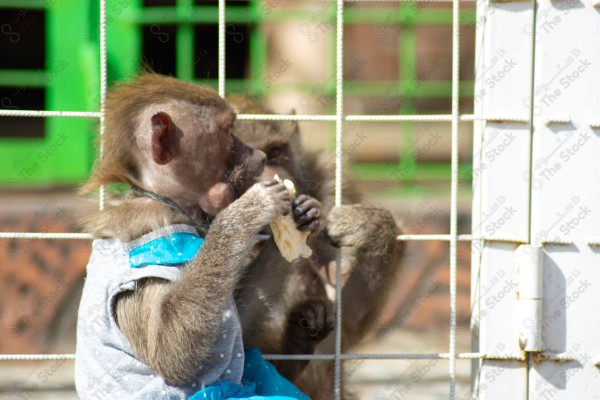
{"x": 370, "y": 258}
{"x": 157, "y": 317}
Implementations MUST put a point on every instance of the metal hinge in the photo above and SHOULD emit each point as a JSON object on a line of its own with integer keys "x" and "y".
{"x": 530, "y": 270}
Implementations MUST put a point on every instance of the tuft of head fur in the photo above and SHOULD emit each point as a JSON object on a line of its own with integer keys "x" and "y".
{"x": 260, "y": 133}
{"x": 123, "y": 106}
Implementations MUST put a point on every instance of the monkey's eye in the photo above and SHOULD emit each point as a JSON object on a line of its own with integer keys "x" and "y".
{"x": 274, "y": 152}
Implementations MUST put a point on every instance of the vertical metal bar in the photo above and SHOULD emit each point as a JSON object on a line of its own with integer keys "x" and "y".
{"x": 408, "y": 77}
{"x": 531, "y": 111}
{"x": 102, "y": 86}
{"x": 184, "y": 44}
{"x": 454, "y": 193}
{"x": 530, "y": 174}
{"x": 222, "y": 48}
{"x": 258, "y": 58}
{"x": 477, "y": 246}
{"x": 339, "y": 111}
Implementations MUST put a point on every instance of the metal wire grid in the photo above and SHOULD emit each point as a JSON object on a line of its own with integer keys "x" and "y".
{"x": 339, "y": 119}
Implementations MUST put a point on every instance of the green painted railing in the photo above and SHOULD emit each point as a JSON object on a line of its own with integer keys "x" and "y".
{"x": 71, "y": 78}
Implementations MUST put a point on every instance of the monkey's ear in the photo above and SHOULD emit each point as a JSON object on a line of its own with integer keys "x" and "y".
{"x": 165, "y": 139}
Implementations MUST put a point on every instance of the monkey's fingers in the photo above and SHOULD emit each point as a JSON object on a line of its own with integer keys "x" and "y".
{"x": 279, "y": 193}
{"x": 307, "y": 213}
{"x": 315, "y": 317}
{"x": 309, "y": 220}
{"x": 270, "y": 182}
{"x": 310, "y": 226}
{"x": 303, "y": 203}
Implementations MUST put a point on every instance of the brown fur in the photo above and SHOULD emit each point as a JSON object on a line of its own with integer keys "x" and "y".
{"x": 186, "y": 153}
{"x": 123, "y": 104}
{"x": 370, "y": 256}
{"x": 172, "y": 325}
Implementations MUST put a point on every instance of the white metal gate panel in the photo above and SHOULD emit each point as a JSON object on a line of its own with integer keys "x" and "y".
{"x": 536, "y": 170}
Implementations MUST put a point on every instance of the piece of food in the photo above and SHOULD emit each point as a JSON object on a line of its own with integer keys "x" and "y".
{"x": 290, "y": 241}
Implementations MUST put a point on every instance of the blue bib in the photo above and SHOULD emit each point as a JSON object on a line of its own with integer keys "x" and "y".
{"x": 173, "y": 249}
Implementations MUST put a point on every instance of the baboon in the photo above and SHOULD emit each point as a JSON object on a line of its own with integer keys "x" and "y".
{"x": 365, "y": 234}
{"x": 157, "y": 317}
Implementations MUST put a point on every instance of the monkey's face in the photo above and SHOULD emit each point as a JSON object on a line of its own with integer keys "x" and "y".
{"x": 280, "y": 161}
{"x": 277, "y": 140}
{"x": 236, "y": 166}
{"x": 201, "y": 159}
{"x": 244, "y": 165}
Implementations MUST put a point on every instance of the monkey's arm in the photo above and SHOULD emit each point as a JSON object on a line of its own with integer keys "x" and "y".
{"x": 372, "y": 254}
{"x": 172, "y": 325}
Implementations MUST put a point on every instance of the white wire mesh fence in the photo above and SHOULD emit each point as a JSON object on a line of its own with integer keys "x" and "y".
{"x": 339, "y": 118}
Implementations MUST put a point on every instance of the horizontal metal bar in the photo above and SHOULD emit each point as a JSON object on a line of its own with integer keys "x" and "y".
{"x": 36, "y": 357}
{"x": 560, "y": 357}
{"x": 400, "y": 118}
{"x": 408, "y": 237}
{"x": 392, "y": 89}
{"x": 559, "y": 120}
{"x": 45, "y": 114}
{"x": 88, "y": 236}
{"x": 380, "y": 118}
{"x": 283, "y": 117}
{"x": 422, "y": 238}
{"x": 556, "y": 241}
{"x": 326, "y": 357}
{"x": 43, "y": 235}
{"x": 322, "y": 357}
{"x": 464, "y": 238}
{"x": 404, "y": 356}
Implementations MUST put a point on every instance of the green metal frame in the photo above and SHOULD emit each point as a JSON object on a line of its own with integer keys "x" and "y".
{"x": 72, "y": 79}
{"x": 64, "y": 155}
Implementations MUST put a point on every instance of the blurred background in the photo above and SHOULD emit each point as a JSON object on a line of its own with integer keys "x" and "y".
{"x": 397, "y": 60}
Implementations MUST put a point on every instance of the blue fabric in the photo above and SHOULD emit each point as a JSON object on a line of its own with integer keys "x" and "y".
{"x": 173, "y": 249}
{"x": 260, "y": 381}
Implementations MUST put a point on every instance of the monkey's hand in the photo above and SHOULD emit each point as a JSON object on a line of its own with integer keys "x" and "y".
{"x": 307, "y": 213}
{"x": 312, "y": 319}
{"x": 265, "y": 201}
{"x": 361, "y": 227}
{"x": 309, "y": 323}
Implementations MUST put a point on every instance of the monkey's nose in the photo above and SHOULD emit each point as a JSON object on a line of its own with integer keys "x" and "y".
{"x": 262, "y": 158}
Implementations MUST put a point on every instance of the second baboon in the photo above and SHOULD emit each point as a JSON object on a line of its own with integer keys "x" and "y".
{"x": 365, "y": 234}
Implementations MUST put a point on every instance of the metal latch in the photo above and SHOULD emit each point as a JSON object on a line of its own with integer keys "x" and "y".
{"x": 530, "y": 270}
